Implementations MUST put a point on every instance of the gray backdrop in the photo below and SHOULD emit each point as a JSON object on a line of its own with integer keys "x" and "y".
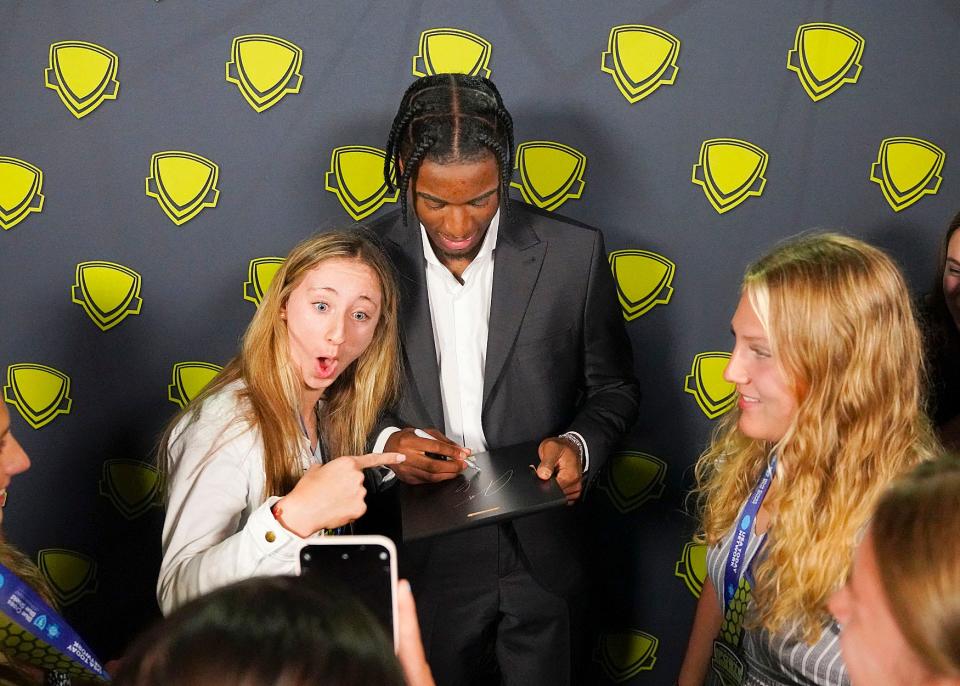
{"x": 732, "y": 82}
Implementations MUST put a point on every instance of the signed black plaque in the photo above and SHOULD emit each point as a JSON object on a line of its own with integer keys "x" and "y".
{"x": 505, "y": 487}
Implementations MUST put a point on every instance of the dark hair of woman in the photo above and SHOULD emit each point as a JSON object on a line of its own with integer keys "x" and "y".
{"x": 264, "y": 631}
{"x": 448, "y": 118}
{"x": 942, "y": 342}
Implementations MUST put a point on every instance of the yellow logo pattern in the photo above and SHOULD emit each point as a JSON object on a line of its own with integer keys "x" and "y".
{"x": 39, "y": 393}
{"x": 264, "y": 68}
{"x": 643, "y": 280}
{"x": 640, "y": 59}
{"x": 633, "y": 479}
{"x": 107, "y": 291}
{"x": 705, "y": 382}
{"x": 70, "y": 574}
{"x": 825, "y": 56}
{"x": 132, "y": 486}
{"x": 356, "y": 178}
{"x": 550, "y": 173}
{"x": 692, "y": 567}
{"x": 452, "y": 51}
{"x": 20, "y": 186}
{"x": 83, "y": 75}
{"x": 907, "y": 169}
{"x": 183, "y": 183}
{"x": 730, "y": 171}
{"x": 189, "y": 378}
{"x": 260, "y": 273}
{"x": 625, "y": 654}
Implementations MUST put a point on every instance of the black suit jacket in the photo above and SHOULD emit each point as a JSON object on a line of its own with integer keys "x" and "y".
{"x": 558, "y": 357}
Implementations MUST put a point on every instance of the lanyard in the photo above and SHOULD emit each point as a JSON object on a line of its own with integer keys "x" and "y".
{"x": 744, "y": 532}
{"x": 22, "y": 605}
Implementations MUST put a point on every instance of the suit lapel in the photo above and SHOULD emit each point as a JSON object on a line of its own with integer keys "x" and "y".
{"x": 416, "y": 325}
{"x": 517, "y": 265}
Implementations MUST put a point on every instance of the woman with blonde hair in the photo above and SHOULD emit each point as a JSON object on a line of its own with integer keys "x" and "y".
{"x": 249, "y": 465}
{"x": 827, "y": 362}
{"x": 900, "y": 610}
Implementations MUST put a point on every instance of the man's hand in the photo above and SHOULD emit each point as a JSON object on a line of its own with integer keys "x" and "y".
{"x": 419, "y": 468}
{"x": 560, "y": 456}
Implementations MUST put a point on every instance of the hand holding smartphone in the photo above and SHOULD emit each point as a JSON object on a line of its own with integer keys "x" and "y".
{"x": 365, "y": 566}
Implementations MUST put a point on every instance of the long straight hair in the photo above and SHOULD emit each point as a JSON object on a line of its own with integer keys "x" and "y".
{"x": 272, "y": 385}
{"x": 840, "y": 322}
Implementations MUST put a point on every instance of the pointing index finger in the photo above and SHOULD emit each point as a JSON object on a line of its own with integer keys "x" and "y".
{"x": 379, "y": 459}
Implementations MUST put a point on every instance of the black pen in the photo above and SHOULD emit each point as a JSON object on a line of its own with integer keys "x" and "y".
{"x": 469, "y": 460}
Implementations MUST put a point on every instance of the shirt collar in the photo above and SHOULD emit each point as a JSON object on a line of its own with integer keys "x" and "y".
{"x": 486, "y": 248}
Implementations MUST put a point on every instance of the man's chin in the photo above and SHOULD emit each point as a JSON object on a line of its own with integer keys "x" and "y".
{"x": 465, "y": 254}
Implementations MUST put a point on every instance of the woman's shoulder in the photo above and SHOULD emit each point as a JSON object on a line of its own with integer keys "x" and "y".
{"x": 224, "y": 412}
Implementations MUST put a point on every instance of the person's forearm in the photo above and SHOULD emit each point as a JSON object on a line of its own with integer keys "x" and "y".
{"x": 706, "y": 627}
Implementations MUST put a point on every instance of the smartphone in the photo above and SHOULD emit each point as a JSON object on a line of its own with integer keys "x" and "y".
{"x": 365, "y": 566}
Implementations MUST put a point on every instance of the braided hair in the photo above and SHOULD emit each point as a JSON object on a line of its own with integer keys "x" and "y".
{"x": 448, "y": 118}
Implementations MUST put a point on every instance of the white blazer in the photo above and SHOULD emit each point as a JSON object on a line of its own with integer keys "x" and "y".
{"x": 218, "y": 527}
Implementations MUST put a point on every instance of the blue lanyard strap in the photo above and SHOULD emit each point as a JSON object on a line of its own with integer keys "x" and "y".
{"x": 22, "y": 605}
{"x": 744, "y": 533}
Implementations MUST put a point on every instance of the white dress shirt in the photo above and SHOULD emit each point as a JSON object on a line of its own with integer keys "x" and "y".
{"x": 461, "y": 317}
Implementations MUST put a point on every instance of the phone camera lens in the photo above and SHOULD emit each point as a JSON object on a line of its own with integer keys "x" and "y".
{"x": 345, "y": 556}
{"x": 383, "y": 556}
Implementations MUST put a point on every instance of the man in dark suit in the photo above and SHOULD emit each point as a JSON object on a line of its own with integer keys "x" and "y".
{"x": 511, "y": 332}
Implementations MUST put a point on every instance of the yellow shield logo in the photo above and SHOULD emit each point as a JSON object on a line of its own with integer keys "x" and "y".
{"x": 69, "y": 573}
{"x": 705, "y": 382}
{"x": 265, "y": 68}
{"x": 132, "y": 486}
{"x": 907, "y": 169}
{"x": 189, "y": 378}
{"x": 825, "y": 56}
{"x": 640, "y": 59}
{"x": 550, "y": 173}
{"x": 625, "y": 654}
{"x": 183, "y": 183}
{"x": 692, "y": 567}
{"x": 107, "y": 291}
{"x": 643, "y": 280}
{"x": 730, "y": 171}
{"x": 356, "y": 178}
{"x": 260, "y": 273}
{"x": 82, "y": 74}
{"x": 633, "y": 479}
{"x": 39, "y": 393}
{"x": 20, "y": 185}
{"x": 452, "y": 51}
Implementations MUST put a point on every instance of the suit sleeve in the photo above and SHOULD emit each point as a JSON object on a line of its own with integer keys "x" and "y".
{"x": 611, "y": 394}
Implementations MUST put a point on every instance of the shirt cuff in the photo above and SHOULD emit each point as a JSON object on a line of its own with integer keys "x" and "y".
{"x": 386, "y": 473}
{"x": 269, "y": 536}
{"x": 584, "y": 449}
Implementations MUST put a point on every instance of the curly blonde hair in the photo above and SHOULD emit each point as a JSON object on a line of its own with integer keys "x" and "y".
{"x": 840, "y": 323}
